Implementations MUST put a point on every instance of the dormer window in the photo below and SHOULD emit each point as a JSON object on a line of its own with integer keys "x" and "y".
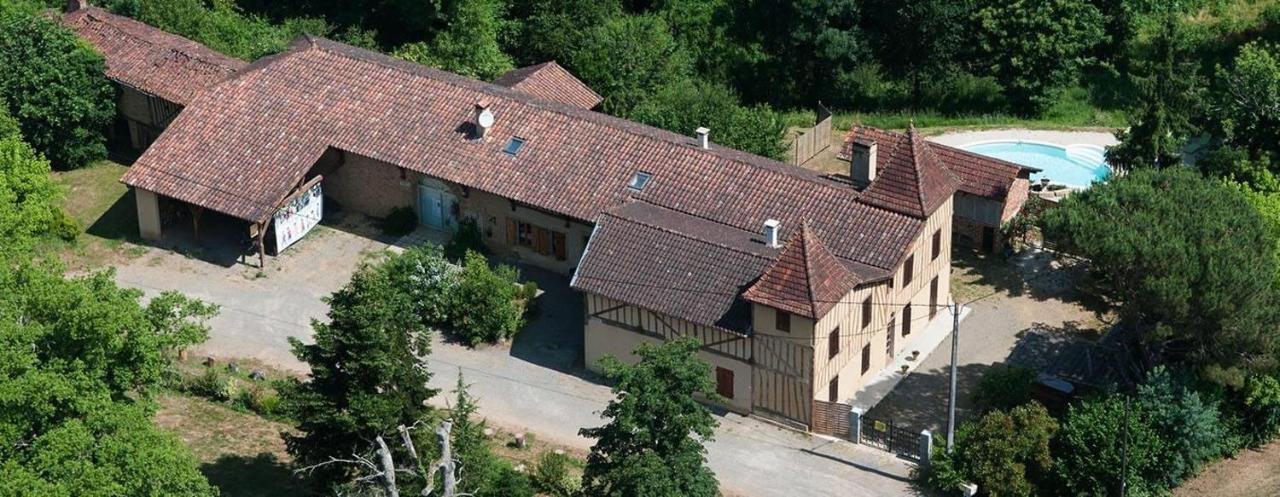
{"x": 639, "y": 180}
{"x": 513, "y": 146}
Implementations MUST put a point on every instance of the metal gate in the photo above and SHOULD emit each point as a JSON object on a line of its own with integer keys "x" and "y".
{"x": 893, "y": 438}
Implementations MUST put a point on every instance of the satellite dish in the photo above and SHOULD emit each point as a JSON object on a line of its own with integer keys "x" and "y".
{"x": 485, "y": 119}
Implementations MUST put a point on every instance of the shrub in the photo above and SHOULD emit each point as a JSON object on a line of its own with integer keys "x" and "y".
{"x": 262, "y": 400}
{"x": 1003, "y": 388}
{"x": 467, "y": 239}
{"x": 1261, "y": 408}
{"x": 1005, "y": 452}
{"x": 210, "y": 384}
{"x": 399, "y": 222}
{"x": 1189, "y": 426}
{"x": 485, "y": 305}
{"x": 551, "y": 476}
{"x": 423, "y": 273}
{"x": 63, "y": 226}
{"x": 1100, "y": 437}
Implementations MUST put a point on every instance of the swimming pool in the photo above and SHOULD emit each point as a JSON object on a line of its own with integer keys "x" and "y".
{"x": 1072, "y": 165}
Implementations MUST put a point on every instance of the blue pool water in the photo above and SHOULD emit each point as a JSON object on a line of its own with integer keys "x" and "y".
{"x": 1073, "y": 165}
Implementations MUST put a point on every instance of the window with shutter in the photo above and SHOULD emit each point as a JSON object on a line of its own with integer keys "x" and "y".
{"x": 782, "y": 320}
{"x": 937, "y": 244}
{"x": 511, "y": 232}
{"x": 866, "y": 312}
{"x": 866, "y": 358}
{"x": 833, "y": 390}
{"x": 833, "y": 343}
{"x": 557, "y": 245}
{"x": 906, "y": 320}
{"x": 724, "y": 382}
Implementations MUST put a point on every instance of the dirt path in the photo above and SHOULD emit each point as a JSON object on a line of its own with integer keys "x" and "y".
{"x": 1253, "y": 473}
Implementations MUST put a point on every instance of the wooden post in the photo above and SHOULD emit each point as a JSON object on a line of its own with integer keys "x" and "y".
{"x": 262, "y": 248}
{"x": 196, "y": 211}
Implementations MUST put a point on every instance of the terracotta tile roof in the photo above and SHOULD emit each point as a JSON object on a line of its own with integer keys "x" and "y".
{"x": 675, "y": 264}
{"x": 978, "y": 174}
{"x": 162, "y": 64}
{"x": 804, "y": 279}
{"x": 550, "y": 81}
{"x": 910, "y": 178}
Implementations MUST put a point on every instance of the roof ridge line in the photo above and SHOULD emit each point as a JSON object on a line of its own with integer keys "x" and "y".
{"x": 92, "y": 11}
{"x": 613, "y": 214}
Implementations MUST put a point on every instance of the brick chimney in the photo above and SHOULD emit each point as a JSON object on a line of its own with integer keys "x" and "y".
{"x": 74, "y": 5}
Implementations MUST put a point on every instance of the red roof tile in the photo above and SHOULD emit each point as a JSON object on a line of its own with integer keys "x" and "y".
{"x": 979, "y": 175}
{"x": 910, "y": 178}
{"x": 162, "y": 64}
{"x": 550, "y": 81}
{"x": 805, "y": 278}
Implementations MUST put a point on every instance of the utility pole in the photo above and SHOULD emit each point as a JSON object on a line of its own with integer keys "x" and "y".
{"x": 955, "y": 352}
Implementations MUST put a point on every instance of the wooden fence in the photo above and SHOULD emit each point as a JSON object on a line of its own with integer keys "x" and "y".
{"x": 831, "y": 418}
{"x": 812, "y": 141}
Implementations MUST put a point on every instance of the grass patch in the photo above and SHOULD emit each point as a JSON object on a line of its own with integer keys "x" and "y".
{"x": 242, "y": 454}
{"x": 104, "y": 208}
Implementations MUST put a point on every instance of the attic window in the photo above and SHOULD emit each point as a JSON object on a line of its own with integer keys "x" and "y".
{"x": 639, "y": 180}
{"x": 513, "y": 146}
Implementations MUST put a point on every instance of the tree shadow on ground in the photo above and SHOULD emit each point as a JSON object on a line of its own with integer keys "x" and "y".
{"x": 1038, "y": 274}
{"x": 262, "y": 475}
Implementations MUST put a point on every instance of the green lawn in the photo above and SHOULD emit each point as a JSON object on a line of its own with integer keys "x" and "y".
{"x": 104, "y": 208}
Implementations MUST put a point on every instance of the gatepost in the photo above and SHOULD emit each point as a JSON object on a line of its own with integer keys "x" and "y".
{"x": 855, "y": 424}
{"x": 926, "y": 448}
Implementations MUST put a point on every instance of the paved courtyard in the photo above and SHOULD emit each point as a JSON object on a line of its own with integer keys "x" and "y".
{"x": 537, "y": 384}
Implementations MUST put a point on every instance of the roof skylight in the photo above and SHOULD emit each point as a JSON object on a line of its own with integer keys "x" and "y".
{"x": 639, "y": 180}
{"x": 513, "y": 146}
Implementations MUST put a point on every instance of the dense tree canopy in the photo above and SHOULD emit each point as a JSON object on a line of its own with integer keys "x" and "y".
{"x": 53, "y": 84}
{"x": 1104, "y": 441}
{"x": 652, "y": 444}
{"x": 1005, "y": 452}
{"x": 1202, "y": 277}
{"x": 468, "y": 45}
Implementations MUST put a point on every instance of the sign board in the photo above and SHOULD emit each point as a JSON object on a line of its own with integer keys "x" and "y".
{"x": 297, "y": 217}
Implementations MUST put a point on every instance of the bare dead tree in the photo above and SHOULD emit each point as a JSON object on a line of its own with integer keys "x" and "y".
{"x": 384, "y": 470}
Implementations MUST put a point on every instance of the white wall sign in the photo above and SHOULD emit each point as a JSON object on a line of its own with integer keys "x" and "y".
{"x": 295, "y": 219}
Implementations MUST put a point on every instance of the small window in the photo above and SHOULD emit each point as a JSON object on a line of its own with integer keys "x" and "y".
{"x": 639, "y": 180}
{"x": 866, "y": 358}
{"x": 833, "y": 343}
{"x": 833, "y": 390}
{"x": 908, "y": 270}
{"x": 724, "y": 382}
{"x": 937, "y": 244}
{"x": 906, "y": 320}
{"x": 933, "y": 297}
{"x": 782, "y": 320}
{"x": 513, "y": 146}
{"x": 866, "y": 312}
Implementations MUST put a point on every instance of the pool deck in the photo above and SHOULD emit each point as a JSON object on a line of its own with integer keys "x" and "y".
{"x": 962, "y": 138}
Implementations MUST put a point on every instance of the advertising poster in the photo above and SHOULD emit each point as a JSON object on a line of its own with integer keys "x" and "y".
{"x": 295, "y": 219}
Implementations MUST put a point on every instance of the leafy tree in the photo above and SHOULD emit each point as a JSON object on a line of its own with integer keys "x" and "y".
{"x": 1004, "y": 388}
{"x": 1033, "y": 67}
{"x": 28, "y": 196}
{"x": 485, "y": 304}
{"x": 1103, "y": 440}
{"x": 684, "y": 107}
{"x": 919, "y": 40}
{"x": 54, "y": 86}
{"x": 77, "y": 358}
{"x": 1198, "y": 280}
{"x": 1165, "y": 106}
{"x": 652, "y": 444}
{"x": 224, "y": 27}
{"x": 1247, "y": 102}
{"x": 795, "y": 50}
{"x": 627, "y": 59}
{"x": 469, "y": 45}
{"x": 555, "y": 29}
{"x": 427, "y": 279}
{"x": 482, "y": 470}
{"x": 367, "y": 373}
{"x": 1188, "y": 424}
{"x": 1261, "y": 408}
{"x": 1004, "y": 452}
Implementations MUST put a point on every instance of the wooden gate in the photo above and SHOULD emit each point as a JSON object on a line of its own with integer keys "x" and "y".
{"x": 831, "y": 418}
{"x": 780, "y": 379}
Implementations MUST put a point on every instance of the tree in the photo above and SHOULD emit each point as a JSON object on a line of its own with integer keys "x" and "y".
{"x": 688, "y": 105}
{"x": 1033, "y": 67}
{"x": 468, "y": 45}
{"x": 55, "y": 87}
{"x": 223, "y": 26}
{"x": 1005, "y": 452}
{"x": 627, "y": 59}
{"x": 1166, "y": 103}
{"x": 1199, "y": 281}
{"x": 1246, "y": 106}
{"x": 486, "y": 475}
{"x": 1188, "y": 425}
{"x": 1104, "y": 441}
{"x": 652, "y": 444}
{"x": 485, "y": 308}
{"x": 367, "y": 373}
{"x": 554, "y": 29}
{"x": 78, "y": 357}
{"x": 28, "y": 196}
{"x": 919, "y": 40}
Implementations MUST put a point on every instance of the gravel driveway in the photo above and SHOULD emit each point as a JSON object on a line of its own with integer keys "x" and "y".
{"x": 537, "y": 384}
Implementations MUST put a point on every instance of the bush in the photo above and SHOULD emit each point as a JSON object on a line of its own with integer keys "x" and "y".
{"x": 399, "y": 222}
{"x": 262, "y": 400}
{"x": 423, "y": 273}
{"x": 1091, "y": 449}
{"x": 1260, "y": 408}
{"x": 1189, "y": 426}
{"x": 1003, "y": 388}
{"x": 212, "y": 384}
{"x": 551, "y": 476}
{"x": 467, "y": 239}
{"x": 63, "y": 226}
{"x": 485, "y": 304}
{"x": 1005, "y": 453}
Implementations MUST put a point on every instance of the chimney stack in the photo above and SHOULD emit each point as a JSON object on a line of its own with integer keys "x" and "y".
{"x": 772, "y": 227}
{"x": 483, "y": 118}
{"x": 74, "y": 5}
{"x": 704, "y": 137}
{"x": 862, "y": 167}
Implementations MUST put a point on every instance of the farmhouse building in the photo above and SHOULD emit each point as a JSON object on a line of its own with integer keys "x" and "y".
{"x": 800, "y": 285}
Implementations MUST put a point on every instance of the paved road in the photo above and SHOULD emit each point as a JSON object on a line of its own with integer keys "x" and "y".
{"x": 537, "y": 384}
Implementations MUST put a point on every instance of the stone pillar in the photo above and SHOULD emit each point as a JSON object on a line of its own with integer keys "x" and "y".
{"x": 969, "y": 489}
{"x": 926, "y": 448}
{"x": 148, "y": 214}
{"x": 855, "y": 424}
